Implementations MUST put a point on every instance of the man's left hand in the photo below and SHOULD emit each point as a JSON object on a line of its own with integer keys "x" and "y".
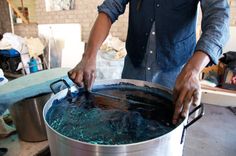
{"x": 187, "y": 91}
{"x": 187, "y": 88}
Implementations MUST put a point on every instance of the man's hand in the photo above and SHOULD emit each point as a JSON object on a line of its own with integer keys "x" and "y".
{"x": 84, "y": 73}
{"x": 187, "y": 91}
{"x": 187, "y": 88}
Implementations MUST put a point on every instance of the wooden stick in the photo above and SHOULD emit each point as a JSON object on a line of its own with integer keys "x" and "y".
{"x": 17, "y": 11}
{"x": 217, "y": 89}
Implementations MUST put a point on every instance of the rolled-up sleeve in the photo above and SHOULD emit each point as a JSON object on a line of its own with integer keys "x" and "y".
{"x": 113, "y": 8}
{"x": 215, "y": 28}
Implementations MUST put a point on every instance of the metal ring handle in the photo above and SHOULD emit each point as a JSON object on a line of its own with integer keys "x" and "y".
{"x": 198, "y": 117}
{"x": 201, "y": 106}
{"x": 61, "y": 80}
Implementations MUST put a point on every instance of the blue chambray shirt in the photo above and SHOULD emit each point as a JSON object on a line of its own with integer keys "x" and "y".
{"x": 149, "y": 69}
{"x": 214, "y": 35}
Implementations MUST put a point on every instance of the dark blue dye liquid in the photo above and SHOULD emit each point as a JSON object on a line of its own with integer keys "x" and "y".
{"x": 100, "y": 120}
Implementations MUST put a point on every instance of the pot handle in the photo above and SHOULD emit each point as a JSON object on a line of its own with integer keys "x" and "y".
{"x": 56, "y": 82}
{"x": 201, "y": 107}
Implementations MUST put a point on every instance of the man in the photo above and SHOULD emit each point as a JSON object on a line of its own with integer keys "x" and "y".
{"x": 161, "y": 44}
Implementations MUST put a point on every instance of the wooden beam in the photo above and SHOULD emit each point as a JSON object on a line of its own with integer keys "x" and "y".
{"x": 218, "y": 96}
{"x": 17, "y": 11}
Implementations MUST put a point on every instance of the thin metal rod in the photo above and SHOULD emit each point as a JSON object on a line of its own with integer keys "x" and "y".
{"x": 11, "y": 19}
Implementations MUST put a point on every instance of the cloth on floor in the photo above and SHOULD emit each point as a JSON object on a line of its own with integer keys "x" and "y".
{"x": 15, "y": 42}
{"x": 113, "y": 48}
{"x": 12, "y": 41}
{"x": 3, "y": 80}
{"x": 30, "y": 85}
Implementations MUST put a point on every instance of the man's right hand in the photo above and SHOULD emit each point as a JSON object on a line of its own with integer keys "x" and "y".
{"x": 84, "y": 73}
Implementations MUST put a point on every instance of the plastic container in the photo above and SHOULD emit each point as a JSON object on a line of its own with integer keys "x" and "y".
{"x": 33, "y": 65}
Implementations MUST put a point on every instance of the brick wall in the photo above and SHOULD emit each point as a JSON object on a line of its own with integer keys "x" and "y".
{"x": 5, "y": 23}
{"x": 233, "y": 12}
{"x": 26, "y": 30}
{"x": 85, "y": 13}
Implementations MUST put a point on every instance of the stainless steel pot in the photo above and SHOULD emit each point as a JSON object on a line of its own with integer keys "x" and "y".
{"x": 27, "y": 115}
{"x": 170, "y": 144}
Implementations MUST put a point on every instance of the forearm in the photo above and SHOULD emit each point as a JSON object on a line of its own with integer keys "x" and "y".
{"x": 215, "y": 28}
{"x": 197, "y": 62}
{"x": 187, "y": 86}
{"x": 98, "y": 34}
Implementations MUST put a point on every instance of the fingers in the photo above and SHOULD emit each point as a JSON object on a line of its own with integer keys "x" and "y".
{"x": 79, "y": 79}
{"x": 83, "y": 74}
{"x": 83, "y": 79}
{"x": 178, "y": 104}
{"x": 197, "y": 97}
{"x": 76, "y": 77}
{"x": 73, "y": 75}
{"x": 184, "y": 101}
{"x": 93, "y": 77}
{"x": 187, "y": 103}
{"x": 89, "y": 78}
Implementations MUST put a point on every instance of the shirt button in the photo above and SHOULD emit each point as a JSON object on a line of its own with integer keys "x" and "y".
{"x": 146, "y": 34}
{"x": 151, "y": 19}
{"x": 148, "y": 68}
{"x": 153, "y": 33}
{"x": 158, "y": 5}
{"x": 151, "y": 51}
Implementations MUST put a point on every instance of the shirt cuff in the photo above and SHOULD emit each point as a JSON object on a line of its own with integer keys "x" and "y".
{"x": 104, "y": 9}
{"x": 212, "y": 50}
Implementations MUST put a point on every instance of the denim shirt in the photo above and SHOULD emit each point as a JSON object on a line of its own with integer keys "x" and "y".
{"x": 175, "y": 31}
{"x": 149, "y": 69}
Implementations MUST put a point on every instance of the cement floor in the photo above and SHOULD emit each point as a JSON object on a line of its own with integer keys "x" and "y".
{"x": 213, "y": 135}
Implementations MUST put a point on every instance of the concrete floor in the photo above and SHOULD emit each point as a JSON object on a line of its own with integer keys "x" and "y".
{"x": 213, "y": 135}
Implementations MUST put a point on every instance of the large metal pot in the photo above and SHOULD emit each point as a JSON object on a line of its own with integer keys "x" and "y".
{"x": 170, "y": 144}
{"x": 27, "y": 115}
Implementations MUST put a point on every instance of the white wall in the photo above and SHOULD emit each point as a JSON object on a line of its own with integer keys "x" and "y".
{"x": 231, "y": 44}
{"x": 64, "y": 43}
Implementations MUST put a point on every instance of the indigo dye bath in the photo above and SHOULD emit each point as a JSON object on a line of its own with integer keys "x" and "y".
{"x": 136, "y": 115}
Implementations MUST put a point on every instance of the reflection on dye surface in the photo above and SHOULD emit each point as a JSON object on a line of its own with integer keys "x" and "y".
{"x": 95, "y": 119}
